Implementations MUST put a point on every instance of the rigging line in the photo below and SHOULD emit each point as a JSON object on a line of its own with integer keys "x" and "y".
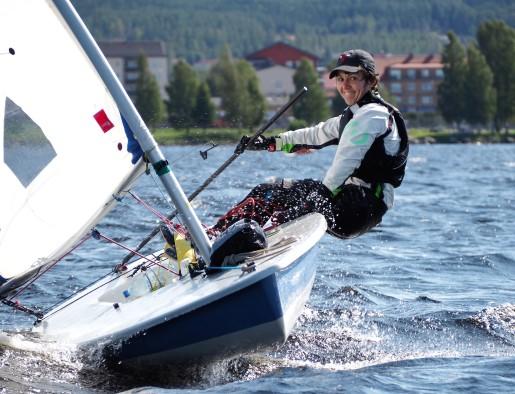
{"x": 158, "y": 214}
{"x": 96, "y": 234}
{"x": 173, "y": 163}
{"x": 163, "y": 195}
{"x": 238, "y": 151}
{"x": 84, "y": 295}
{"x": 118, "y": 275}
{"x": 151, "y": 209}
{"x": 276, "y": 249}
{"x": 16, "y": 305}
{"x": 158, "y": 264}
{"x": 40, "y": 274}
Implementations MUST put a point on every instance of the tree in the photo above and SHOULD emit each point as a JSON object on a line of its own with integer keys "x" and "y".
{"x": 148, "y": 99}
{"x": 218, "y": 73}
{"x": 479, "y": 92}
{"x": 238, "y": 87}
{"x": 182, "y": 93}
{"x": 313, "y": 106}
{"x": 224, "y": 81}
{"x": 497, "y": 43}
{"x": 450, "y": 91}
{"x": 204, "y": 111}
{"x": 252, "y": 104}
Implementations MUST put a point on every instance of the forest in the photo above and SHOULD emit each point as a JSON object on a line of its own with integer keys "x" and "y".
{"x": 198, "y": 29}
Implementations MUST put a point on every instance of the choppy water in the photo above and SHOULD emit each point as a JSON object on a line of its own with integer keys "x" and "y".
{"x": 424, "y": 303}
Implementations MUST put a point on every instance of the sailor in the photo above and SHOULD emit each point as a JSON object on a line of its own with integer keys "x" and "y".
{"x": 370, "y": 160}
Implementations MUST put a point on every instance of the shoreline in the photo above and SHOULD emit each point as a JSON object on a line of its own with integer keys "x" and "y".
{"x": 416, "y": 136}
{"x": 464, "y": 138}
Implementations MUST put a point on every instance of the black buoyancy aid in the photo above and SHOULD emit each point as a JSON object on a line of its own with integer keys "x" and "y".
{"x": 377, "y": 166}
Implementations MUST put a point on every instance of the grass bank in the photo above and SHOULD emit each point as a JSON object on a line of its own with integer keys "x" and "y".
{"x": 449, "y": 136}
{"x": 169, "y": 136}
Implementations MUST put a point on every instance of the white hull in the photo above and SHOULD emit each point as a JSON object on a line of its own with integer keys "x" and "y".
{"x": 199, "y": 318}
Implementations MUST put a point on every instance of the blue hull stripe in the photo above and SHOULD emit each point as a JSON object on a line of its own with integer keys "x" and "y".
{"x": 247, "y": 308}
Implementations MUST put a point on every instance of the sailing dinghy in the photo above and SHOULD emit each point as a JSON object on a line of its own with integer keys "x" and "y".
{"x": 60, "y": 95}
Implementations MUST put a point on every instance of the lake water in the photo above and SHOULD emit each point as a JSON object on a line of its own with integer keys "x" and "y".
{"x": 424, "y": 303}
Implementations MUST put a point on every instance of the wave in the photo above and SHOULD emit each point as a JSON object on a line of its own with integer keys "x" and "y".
{"x": 497, "y": 321}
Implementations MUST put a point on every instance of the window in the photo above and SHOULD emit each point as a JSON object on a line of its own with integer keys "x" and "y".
{"x": 395, "y": 87}
{"x": 411, "y": 74}
{"x": 425, "y": 73}
{"x": 427, "y": 87}
{"x": 131, "y": 64}
{"x": 398, "y": 99}
{"x": 412, "y": 100}
{"x": 412, "y": 86}
{"x": 426, "y": 100}
{"x": 131, "y": 76}
{"x": 394, "y": 74}
{"x": 439, "y": 73}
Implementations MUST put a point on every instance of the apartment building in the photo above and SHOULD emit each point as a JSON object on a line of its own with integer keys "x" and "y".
{"x": 414, "y": 82}
{"x": 412, "y": 79}
{"x": 123, "y": 58}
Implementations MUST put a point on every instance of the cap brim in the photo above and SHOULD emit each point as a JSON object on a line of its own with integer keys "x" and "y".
{"x": 349, "y": 69}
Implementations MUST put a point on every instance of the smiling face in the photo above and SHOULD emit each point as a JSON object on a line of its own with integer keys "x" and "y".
{"x": 352, "y": 86}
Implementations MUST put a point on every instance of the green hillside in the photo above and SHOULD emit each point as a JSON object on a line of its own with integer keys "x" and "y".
{"x": 197, "y": 29}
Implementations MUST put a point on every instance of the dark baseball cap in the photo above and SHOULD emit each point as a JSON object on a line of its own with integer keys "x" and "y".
{"x": 354, "y": 60}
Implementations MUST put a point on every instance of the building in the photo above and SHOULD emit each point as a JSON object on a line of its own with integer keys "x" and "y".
{"x": 276, "y": 80}
{"x": 123, "y": 58}
{"x": 275, "y": 66}
{"x": 280, "y": 54}
{"x": 276, "y": 85}
{"x": 414, "y": 82}
{"x": 412, "y": 79}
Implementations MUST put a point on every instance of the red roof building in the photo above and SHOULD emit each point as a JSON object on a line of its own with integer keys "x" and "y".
{"x": 280, "y": 54}
{"x": 414, "y": 82}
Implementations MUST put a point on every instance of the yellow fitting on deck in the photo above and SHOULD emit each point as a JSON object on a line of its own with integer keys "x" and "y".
{"x": 183, "y": 248}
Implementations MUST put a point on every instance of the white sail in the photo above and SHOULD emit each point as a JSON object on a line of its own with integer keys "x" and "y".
{"x": 59, "y": 123}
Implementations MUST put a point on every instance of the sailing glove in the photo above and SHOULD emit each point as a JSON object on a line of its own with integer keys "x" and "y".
{"x": 259, "y": 143}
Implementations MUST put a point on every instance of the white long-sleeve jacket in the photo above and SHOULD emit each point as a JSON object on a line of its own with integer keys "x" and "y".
{"x": 369, "y": 122}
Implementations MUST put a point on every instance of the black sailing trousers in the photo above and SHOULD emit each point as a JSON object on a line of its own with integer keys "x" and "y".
{"x": 354, "y": 211}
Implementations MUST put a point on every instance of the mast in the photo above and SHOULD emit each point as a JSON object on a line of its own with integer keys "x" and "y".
{"x": 139, "y": 128}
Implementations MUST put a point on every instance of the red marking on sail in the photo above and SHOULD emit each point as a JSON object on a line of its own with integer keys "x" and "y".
{"x": 103, "y": 121}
